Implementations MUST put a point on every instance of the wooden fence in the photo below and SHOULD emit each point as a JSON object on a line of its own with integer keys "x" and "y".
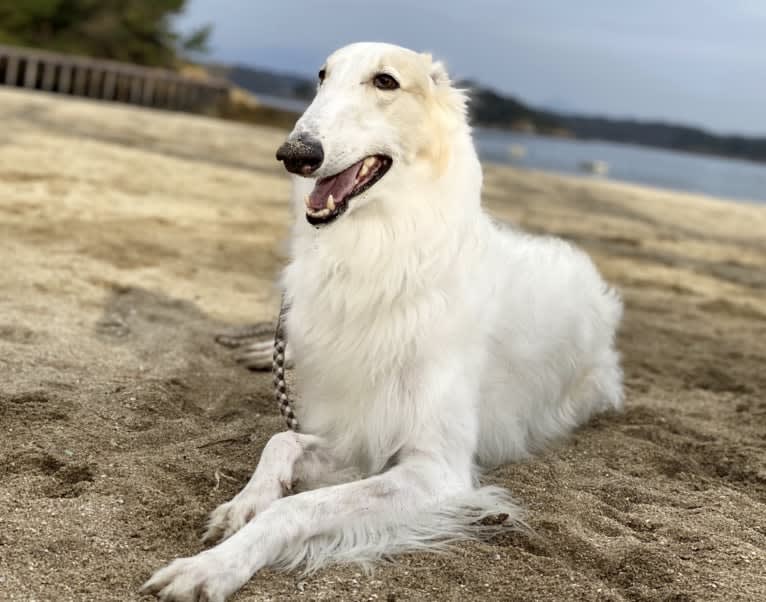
{"x": 107, "y": 80}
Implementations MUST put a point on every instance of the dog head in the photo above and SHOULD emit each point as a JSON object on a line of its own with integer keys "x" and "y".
{"x": 382, "y": 114}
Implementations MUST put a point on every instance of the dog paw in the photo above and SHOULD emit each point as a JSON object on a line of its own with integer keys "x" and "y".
{"x": 197, "y": 579}
{"x": 230, "y": 517}
{"x": 245, "y": 335}
{"x": 226, "y": 520}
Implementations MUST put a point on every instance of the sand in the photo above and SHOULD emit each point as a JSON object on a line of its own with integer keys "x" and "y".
{"x": 128, "y": 238}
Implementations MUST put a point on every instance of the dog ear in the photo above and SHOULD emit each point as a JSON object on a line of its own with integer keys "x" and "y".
{"x": 439, "y": 74}
{"x": 456, "y": 100}
{"x": 437, "y": 71}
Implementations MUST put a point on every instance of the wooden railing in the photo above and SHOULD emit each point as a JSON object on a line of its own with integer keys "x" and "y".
{"x": 107, "y": 80}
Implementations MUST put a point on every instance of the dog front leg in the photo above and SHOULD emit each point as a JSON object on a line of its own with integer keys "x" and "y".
{"x": 286, "y": 457}
{"x": 352, "y": 521}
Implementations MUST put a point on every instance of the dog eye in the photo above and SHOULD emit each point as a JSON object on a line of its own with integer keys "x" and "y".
{"x": 383, "y": 81}
{"x": 322, "y": 73}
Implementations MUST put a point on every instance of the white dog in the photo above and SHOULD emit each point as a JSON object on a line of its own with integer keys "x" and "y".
{"x": 428, "y": 341}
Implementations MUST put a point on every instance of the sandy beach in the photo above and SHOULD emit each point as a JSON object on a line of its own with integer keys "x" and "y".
{"x": 129, "y": 238}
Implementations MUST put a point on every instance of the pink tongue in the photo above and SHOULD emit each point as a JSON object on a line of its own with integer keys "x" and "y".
{"x": 339, "y": 186}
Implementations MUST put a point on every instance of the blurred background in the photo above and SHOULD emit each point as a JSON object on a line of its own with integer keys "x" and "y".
{"x": 666, "y": 94}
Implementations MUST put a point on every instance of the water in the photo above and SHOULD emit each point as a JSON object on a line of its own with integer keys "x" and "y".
{"x": 713, "y": 176}
{"x": 286, "y": 104}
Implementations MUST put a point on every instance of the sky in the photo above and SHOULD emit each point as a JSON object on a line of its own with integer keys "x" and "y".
{"x": 697, "y": 62}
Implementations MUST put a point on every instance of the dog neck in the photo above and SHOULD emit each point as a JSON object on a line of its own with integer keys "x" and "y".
{"x": 364, "y": 278}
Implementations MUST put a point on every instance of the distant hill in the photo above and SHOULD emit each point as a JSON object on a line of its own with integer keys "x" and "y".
{"x": 666, "y": 135}
{"x": 491, "y": 109}
{"x": 262, "y": 81}
{"x": 494, "y": 110}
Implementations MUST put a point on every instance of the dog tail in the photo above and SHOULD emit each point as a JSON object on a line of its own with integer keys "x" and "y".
{"x": 479, "y": 514}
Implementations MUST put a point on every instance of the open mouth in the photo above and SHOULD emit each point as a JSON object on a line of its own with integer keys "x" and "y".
{"x": 331, "y": 195}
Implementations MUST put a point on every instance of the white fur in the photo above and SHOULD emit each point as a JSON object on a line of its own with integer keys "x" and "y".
{"x": 428, "y": 342}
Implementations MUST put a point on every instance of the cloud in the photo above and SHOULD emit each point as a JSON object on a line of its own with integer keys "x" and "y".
{"x": 695, "y": 61}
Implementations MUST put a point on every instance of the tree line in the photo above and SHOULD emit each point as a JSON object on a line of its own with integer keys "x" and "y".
{"x": 134, "y": 31}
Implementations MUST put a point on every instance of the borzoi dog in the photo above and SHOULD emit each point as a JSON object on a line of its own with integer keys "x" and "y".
{"x": 428, "y": 341}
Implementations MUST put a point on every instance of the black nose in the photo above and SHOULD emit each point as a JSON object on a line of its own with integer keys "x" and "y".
{"x": 301, "y": 155}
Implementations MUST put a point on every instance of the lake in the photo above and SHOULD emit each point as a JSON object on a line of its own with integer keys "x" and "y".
{"x": 713, "y": 176}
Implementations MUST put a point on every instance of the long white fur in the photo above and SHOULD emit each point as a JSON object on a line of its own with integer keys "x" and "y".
{"x": 428, "y": 341}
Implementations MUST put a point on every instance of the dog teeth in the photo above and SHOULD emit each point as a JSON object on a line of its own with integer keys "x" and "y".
{"x": 367, "y": 165}
{"x": 321, "y": 213}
